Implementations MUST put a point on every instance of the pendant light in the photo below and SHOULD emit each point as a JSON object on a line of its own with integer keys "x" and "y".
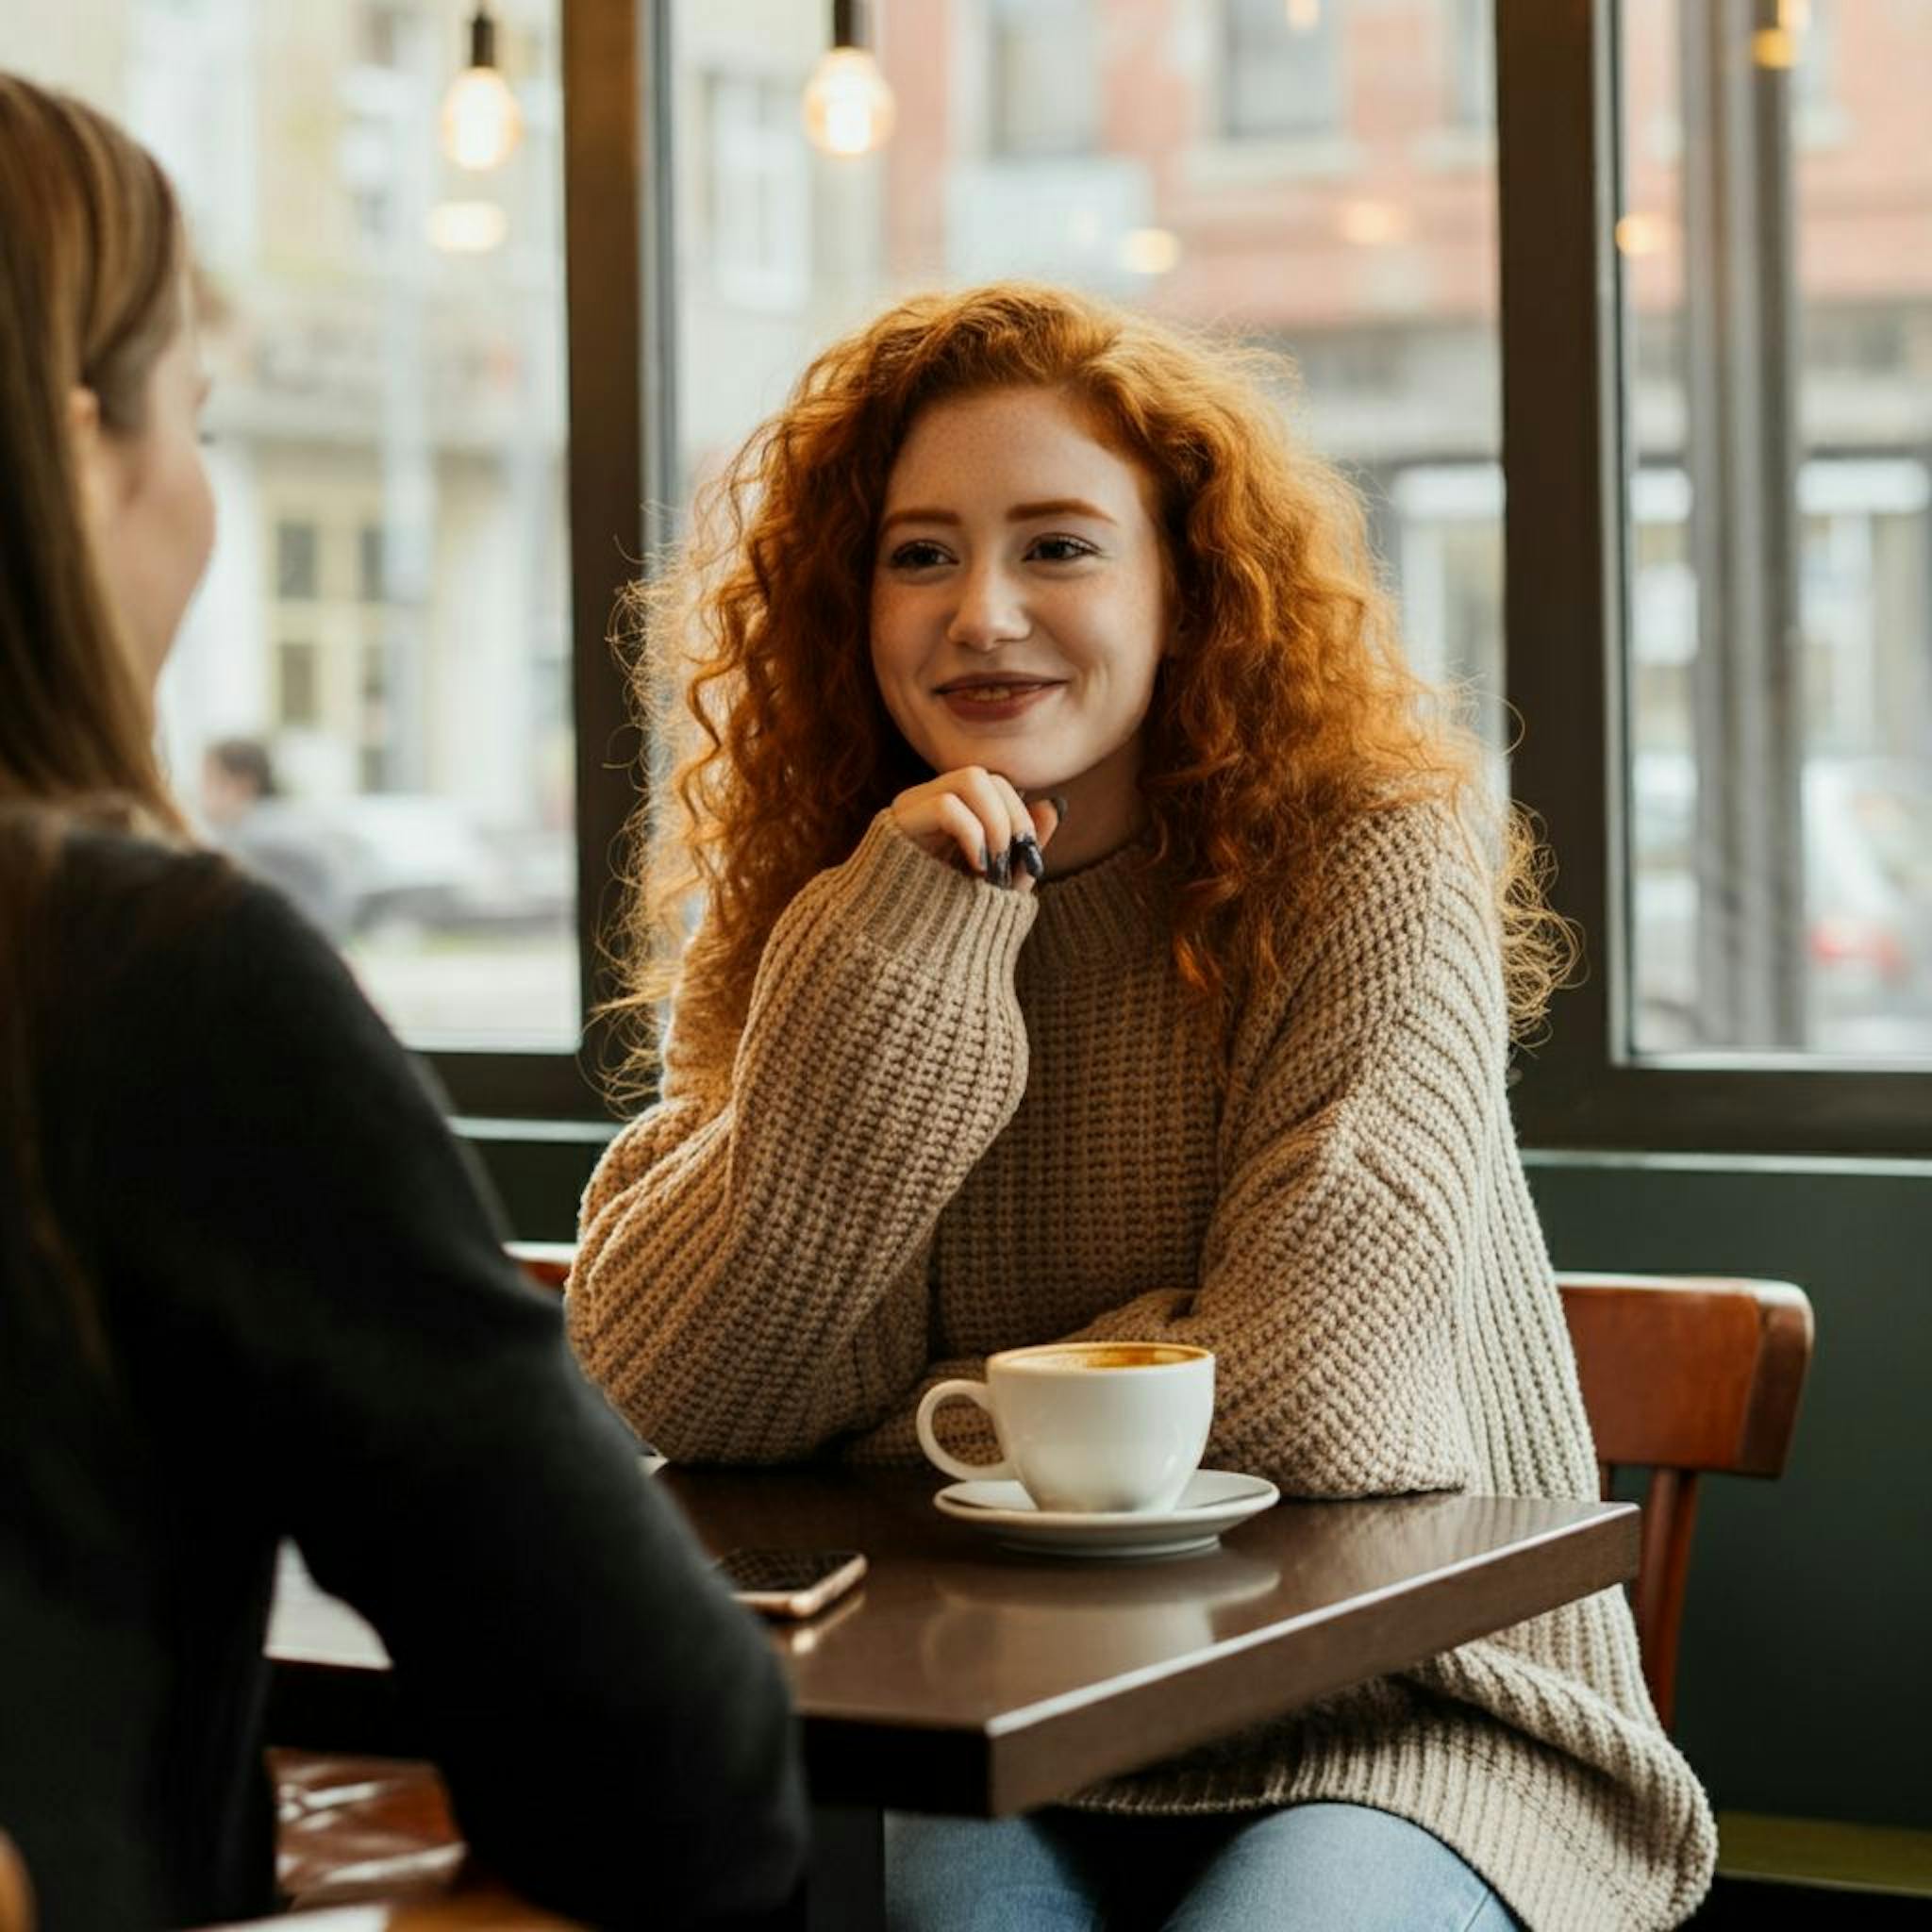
{"x": 481, "y": 121}
{"x": 848, "y": 108}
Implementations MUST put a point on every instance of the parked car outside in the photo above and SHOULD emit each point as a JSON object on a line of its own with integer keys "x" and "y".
{"x": 384, "y": 861}
{"x": 1868, "y": 908}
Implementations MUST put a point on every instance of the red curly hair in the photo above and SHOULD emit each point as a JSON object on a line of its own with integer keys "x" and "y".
{"x": 1286, "y": 708}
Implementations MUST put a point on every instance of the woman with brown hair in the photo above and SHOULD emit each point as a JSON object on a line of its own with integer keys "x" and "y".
{"x": 248, "y": 1287}
{"x": 1105, "y": 936}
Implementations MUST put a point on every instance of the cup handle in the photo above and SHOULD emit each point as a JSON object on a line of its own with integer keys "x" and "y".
{"x": 957, "y": 1392}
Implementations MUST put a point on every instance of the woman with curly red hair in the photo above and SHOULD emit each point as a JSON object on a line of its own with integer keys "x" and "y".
{"x": 1104, "y": 935}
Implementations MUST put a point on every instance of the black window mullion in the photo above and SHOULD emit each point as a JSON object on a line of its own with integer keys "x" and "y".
{"x": 608, "y": 180}
{"x": 1562, "y": 556}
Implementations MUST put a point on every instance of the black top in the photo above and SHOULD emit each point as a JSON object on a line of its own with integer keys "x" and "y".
{"x": 310, "y": 1330}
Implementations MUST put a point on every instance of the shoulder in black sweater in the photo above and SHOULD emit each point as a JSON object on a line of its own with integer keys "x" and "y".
{"x": 308, "y": 1328}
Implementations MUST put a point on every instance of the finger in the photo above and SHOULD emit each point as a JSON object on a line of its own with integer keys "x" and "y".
{"x": 993, "y": 802}
{"x": 1048, "y": 813}
{"x": 1024, "y": 861}
{"x": 1043, "y": 817}
{"x": 961, "y": 824}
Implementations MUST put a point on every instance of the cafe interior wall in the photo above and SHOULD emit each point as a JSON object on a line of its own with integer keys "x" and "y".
{"x": 1803, "y": 1690}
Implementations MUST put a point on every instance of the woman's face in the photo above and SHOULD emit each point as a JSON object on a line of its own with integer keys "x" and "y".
{"x": 151, "y": 512}
{"x": 1019, "y": 606}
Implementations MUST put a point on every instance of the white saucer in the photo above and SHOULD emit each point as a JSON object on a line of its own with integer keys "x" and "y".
{"x": 1214, "y": 1500}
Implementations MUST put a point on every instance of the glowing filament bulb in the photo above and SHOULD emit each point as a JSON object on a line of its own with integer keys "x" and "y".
{"x": 848, "y": 108}
{"x": 481, "y": 121}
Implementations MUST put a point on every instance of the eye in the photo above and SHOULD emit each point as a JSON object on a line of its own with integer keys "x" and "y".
{"x": 1060, "y": 549}
{"x": 921, "y": 553}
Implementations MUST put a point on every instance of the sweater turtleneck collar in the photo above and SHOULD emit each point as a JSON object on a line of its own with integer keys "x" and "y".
{"x": 1103, "y": 910}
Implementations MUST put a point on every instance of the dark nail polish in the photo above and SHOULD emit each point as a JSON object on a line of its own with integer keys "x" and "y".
{"x": 1003, "y": 869}
{"x": 984, "y": 863}
{"x": 1058, "y": 804}
{"x": 1027, "y": 846}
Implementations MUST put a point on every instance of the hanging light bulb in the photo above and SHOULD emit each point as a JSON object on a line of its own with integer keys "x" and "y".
{"x": 848, "y": 108}
{"x": 481, "y": 121}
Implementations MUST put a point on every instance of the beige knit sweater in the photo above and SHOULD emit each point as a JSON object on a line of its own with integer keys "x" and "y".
{"x": 962, "y": 1119}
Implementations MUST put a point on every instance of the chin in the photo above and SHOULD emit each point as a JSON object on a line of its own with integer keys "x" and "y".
{"x": 1027, "y": 767}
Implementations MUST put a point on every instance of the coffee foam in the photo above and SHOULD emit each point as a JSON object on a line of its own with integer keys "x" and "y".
{"x": 1118, "y": 1355}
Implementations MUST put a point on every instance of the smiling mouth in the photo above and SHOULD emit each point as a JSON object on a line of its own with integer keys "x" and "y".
{"x": 997, "y": 693}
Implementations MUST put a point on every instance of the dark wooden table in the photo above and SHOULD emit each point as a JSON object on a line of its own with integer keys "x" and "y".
{"x": 964, "y": 1677}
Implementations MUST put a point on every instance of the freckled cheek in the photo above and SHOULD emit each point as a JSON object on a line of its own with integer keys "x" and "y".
{"x": 899, "y": 647}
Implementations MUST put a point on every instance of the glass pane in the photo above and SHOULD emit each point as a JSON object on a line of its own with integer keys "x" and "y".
{"x": 370, "y": 698}
{"x": 1776, "y": 243}
{"x": 1319, "y": 175}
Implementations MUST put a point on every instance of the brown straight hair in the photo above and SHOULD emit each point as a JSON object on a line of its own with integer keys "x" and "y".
{"x": 90, "y": 296}
{"x": 91, "y": 276}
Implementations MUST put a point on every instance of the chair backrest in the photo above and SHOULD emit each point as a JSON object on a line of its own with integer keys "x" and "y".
{"x": 1682, "y": 1375}
{"x": 546, "y": 1263}
{"x": 16, "y": 1895}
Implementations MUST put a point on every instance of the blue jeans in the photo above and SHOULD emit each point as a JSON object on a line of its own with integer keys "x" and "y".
{"x": 1326, "y": 1868}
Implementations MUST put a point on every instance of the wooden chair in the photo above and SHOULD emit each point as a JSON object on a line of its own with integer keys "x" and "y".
{"x": 16, "y": 1895}
{"x": 1681, "y": 1375}
{"x": 547, "y": 1263}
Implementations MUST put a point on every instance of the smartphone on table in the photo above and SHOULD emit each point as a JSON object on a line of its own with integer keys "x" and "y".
{"x": 789, "y": 1583}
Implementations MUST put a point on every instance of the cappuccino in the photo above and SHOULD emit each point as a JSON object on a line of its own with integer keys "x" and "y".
{"x": 1081, "y": 1441}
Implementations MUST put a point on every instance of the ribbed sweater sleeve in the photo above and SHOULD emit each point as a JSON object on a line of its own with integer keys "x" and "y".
{"x": 751, "y": 1272}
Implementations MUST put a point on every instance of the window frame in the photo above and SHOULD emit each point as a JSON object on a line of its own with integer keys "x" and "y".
{"x": 1563, "y": 346}
{"x": 617, "y": 261}
{"x": 1563, "y": 338}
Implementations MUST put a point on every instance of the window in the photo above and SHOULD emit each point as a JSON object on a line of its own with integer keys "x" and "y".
{"x": 1043, "y": 87}
{"x": 1281, "y": 67}
{"x": 1470, "y": 53}
{"x": 388, "y": 599}
{"x": 1779, "y": 697}
{"x": 1719, "y": 570}
{"x": 1623, "y": 574}
{"x": 758, "y": 207}
{"x": 297, "y": 703}
{"x": 369, "y": 558}
{"x": 295, "y": 551}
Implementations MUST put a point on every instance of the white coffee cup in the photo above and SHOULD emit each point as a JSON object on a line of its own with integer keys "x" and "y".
{"x": 1087, "y": 1425}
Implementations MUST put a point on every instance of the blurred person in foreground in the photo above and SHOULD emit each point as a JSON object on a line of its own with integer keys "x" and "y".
{"x": 249, "y": 1288}
{"x": 1105, "y": 936}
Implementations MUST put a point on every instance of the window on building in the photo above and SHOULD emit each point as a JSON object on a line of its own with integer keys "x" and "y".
{"x": 298, "y": 703}
{"x": 1043, "y": 77}
{"x": 1469, "y": 47}
{"x": 370, "y": 578}
{"x": 295, "y": 560}
{"x": 759, "y": 200}
{"x": 1281, "y": 67}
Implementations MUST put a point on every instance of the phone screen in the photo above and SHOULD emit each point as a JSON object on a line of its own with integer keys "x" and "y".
{"x": 794, "y": 1583}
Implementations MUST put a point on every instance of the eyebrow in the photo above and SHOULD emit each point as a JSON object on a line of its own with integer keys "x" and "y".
{"x": 1019, "y": 513}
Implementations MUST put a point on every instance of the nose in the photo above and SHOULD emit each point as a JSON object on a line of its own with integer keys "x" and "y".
{"x": 991, "y": 610}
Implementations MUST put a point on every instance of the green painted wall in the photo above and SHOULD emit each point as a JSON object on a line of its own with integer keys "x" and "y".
{"x": 1805, "y": 1678}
